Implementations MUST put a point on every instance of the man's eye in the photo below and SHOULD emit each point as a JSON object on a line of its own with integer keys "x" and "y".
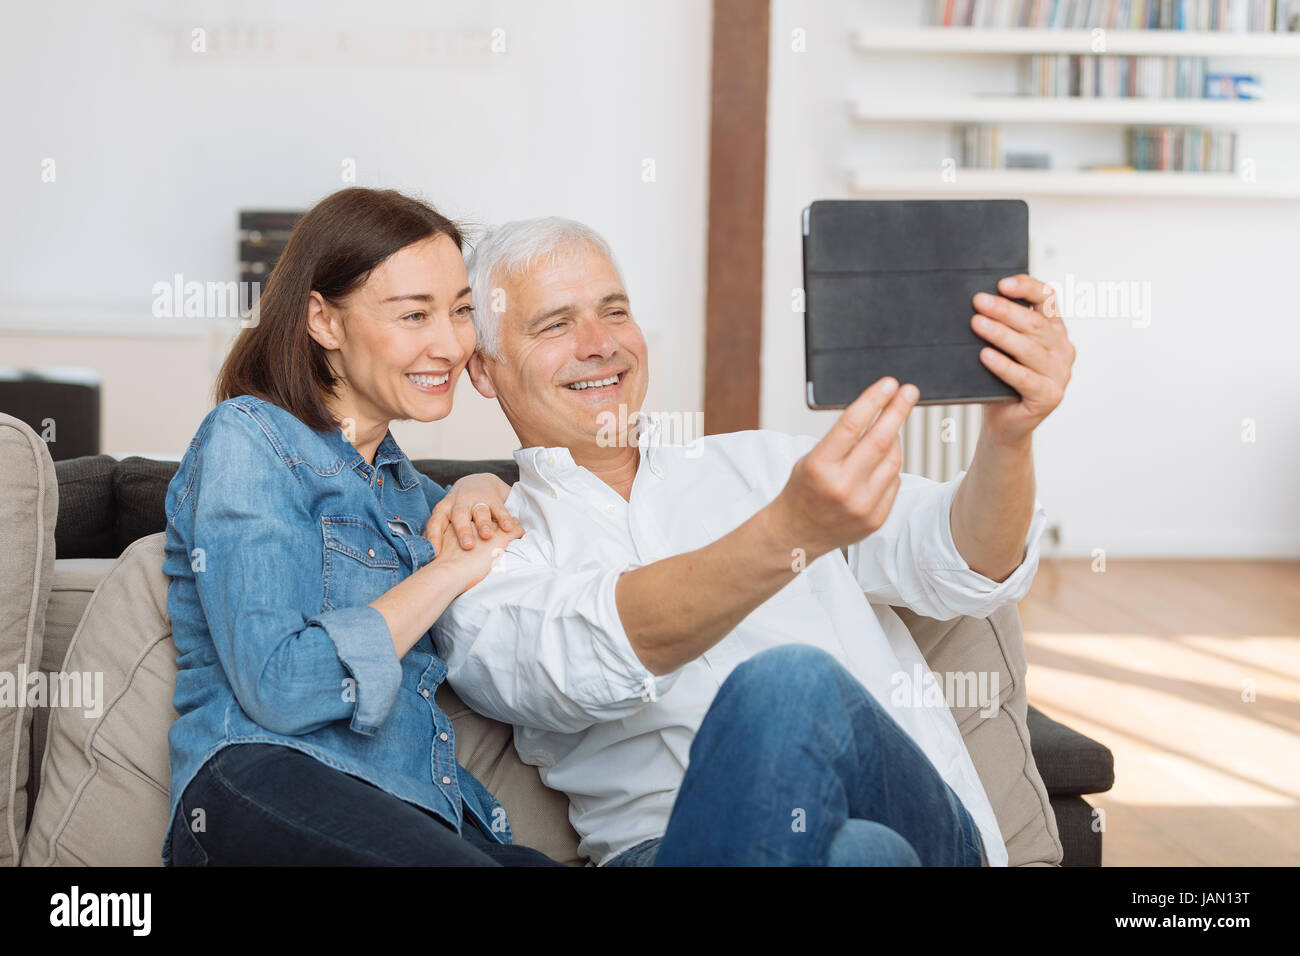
{"x": 553, "y": 325}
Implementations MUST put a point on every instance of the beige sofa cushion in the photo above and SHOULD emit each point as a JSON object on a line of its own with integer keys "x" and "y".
{"x": 75, "y": 580}
{"x": 998, "y": 745}
{"x": 31, "y": 505}
{"x": 103, "y": 797}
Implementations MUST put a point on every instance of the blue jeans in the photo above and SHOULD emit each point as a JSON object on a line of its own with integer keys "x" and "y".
{"x": 796, "y": 764}
{"x": 269, "y": 805}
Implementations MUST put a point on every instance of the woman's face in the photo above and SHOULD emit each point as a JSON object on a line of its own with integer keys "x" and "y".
{"x": 400, "y": 341}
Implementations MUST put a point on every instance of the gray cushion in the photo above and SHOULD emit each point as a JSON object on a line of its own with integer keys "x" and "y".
{"x": 106, "y": 504}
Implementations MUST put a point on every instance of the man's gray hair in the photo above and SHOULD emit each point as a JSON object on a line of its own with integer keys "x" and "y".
{"x": 514, "y": 250}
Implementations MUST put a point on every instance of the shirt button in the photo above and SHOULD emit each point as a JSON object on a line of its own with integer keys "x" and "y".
{"x": 609, "y": 509}
{"x": 550, "y": 460}
{"x": 443, "y": 737}
{"x": 555, "y": 494}
{"x": 425, "y": 692}
{"x": 446, "y": 781}
{"x": 381, "y": 479}
{"x": 370, "y": 551}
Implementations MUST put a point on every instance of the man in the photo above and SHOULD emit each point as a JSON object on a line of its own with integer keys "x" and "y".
{"x": 678, "y": 639}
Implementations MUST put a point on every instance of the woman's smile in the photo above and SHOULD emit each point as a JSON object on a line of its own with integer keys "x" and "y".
{"x": 431, "y": 383}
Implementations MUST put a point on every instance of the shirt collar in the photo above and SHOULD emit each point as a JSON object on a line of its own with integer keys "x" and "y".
{"x": 388, "y": 453}
{"x": 542, "y": 463}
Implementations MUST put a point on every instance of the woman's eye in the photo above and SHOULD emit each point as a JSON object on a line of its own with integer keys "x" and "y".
{"x": 416, "y": 316}
{"x": 465, "y": 311}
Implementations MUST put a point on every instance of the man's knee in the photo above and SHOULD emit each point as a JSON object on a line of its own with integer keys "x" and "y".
{"x": 790, "y": 668}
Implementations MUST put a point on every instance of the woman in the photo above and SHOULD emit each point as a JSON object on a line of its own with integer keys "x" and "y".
{"x": 302, "y": 590}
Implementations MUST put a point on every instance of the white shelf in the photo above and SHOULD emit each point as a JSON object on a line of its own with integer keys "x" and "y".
{"x": 1118, "y": 42}
{"x": 1073, "y": 109}
{"x": 1046, "y": 182}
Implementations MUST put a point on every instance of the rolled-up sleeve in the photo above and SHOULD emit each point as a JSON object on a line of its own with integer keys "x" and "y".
{"x": 533, "y": 646}
{"x": 912, "y": 559}
{"x": 292, "y": 670}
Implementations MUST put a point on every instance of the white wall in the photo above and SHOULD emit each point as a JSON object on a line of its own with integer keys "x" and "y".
{"x": 157, "y": 147}
{"x": 1145, "y": 456}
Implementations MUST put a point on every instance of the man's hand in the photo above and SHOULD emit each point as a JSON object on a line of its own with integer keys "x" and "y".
{"x": 474, "y": 502}
{"x": 843, "y": 489}
{"x": 1040, "y": 350}
{"x": 840, "y": 492}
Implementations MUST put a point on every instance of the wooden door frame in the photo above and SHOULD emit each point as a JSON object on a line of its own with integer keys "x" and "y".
{"x": 737, "y": 190}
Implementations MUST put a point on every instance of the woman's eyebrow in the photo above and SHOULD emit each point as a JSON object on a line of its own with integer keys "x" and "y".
{"x": 424, "y": 296}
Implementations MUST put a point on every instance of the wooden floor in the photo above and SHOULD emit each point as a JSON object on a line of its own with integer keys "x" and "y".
{"x": 1189, "y": 671}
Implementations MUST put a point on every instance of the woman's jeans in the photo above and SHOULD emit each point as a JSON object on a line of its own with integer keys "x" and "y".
{"x": 796, "y": 764}
{"x": 268, "y": 805}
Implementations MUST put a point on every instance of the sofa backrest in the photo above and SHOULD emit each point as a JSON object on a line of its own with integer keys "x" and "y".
{"x": 106, "y": 504}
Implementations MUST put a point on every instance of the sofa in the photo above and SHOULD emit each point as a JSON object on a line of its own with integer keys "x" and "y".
{"x": 86, "y": 645}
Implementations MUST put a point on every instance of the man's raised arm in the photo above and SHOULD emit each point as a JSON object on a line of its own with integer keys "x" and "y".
{"x": 839, "y": 493}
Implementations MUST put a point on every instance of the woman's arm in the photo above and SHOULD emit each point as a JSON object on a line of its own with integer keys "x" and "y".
{"x": 410, "y": 608}
{"x": 291, "y": 669}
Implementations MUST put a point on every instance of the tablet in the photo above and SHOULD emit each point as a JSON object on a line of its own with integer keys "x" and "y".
{"x": 887, "y": 291}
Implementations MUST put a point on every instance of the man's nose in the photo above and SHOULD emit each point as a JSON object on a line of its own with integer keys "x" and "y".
{"x": 593, "y": 339}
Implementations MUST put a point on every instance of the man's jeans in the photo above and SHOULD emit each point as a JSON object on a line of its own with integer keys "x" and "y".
{"x": 796, "y": 764}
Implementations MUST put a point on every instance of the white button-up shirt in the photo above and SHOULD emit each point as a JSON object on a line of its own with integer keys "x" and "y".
{"x": 538, "y": 643}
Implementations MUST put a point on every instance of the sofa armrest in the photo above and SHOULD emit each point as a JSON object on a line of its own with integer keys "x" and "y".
{"x": 28, "y": 511}
{"x": 1071, "y": 764}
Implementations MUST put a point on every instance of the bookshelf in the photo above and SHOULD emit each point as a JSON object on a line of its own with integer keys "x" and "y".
{"x": 1063, "y": 111}
{"x": 1117, "y": 42}
{"x": 997, "y": 183}
{"x": 1123, "y": 111}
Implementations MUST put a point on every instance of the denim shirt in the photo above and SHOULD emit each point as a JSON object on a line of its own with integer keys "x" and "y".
{"x": 278, "y": 537}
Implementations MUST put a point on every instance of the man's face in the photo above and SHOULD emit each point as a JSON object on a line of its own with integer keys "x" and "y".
{"x": 566, "y": 326}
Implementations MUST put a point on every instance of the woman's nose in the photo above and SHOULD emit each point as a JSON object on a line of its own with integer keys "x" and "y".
{"x": 443, "y": 341}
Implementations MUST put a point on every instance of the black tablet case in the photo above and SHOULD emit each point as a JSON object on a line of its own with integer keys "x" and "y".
{"x": 888, "y": 287}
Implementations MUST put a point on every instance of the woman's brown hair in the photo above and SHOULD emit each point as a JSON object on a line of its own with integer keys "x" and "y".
{"x": 332, "y": 251}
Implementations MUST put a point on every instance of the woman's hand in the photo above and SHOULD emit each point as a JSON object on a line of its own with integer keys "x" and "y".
{"x": 475, "y": 502}
{"x": 470, "y": 567}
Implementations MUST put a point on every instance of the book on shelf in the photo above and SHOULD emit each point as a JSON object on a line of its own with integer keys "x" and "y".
{"x": 1232, "y": 86}
{"x": 1182, "y": 149}
{"x": 1232, "y": 16}
{"x": 978, "y": 146}
{"x": 1086, "y": 75}
{"x": 1162, "y": 148}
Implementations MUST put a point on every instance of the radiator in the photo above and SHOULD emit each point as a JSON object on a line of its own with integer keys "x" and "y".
{"x": 939, "y": 440}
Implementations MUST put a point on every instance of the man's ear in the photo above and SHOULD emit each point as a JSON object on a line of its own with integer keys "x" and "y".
{"x": 323, "y": 323}
{"x": 478, "y": 374}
